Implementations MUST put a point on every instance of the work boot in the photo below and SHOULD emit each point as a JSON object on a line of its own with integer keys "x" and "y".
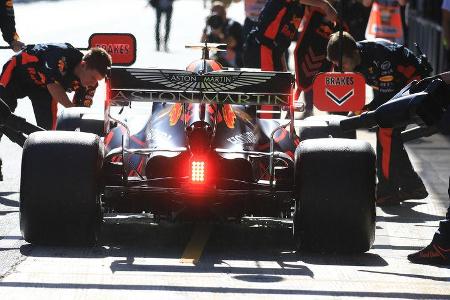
{"x": 387, "y": 200}
{"x": 417, "y": 193}
{"x": 391, "y": 197}
{"x": 386, "y": 195}
{"x": 433, "y": 254}
{"x": 413, "y": 189}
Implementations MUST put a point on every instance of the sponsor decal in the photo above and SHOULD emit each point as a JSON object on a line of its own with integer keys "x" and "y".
{"x": 220, "y": 81}
{"x": 385, "y": 65}
{"x": 335, "y": 92}
{"x": 114, "y": 49}
{"x": 387, "y": 78}
{"x": 206, "y": 79}
{"x": 124, "y": 96}
{"x": 347, "y": 80}
{"x": 228, "y": 115}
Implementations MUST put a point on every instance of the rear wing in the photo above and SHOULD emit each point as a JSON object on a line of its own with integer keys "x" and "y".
{"x": 242, "y": 87}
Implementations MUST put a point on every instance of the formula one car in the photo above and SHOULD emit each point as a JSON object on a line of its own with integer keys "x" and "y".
{"x": 185, "y": 145}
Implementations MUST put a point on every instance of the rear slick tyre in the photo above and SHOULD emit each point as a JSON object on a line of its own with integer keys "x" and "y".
{"x": 59, "y": 188}
{"x": 335, "y": 196}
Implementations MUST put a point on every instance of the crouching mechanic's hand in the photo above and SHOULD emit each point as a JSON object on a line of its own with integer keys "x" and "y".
{"x": 435, "y": 110}
{"x": 421, "y": 85}
{"x": 83, "y": 102}
{"x": 84, "y": 98}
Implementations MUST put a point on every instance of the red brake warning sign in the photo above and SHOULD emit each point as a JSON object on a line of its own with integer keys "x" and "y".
{"x": 121, "y": 46}
{"x": 334, "y": 92}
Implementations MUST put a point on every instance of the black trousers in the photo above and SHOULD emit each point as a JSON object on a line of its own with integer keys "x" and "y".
{"x": 16, "y": 84}
{"x": 248, "y": 26}
{"x": 168, "y": 13}
{"x": 257, "y": 55}
{"x": 394, "y": 169}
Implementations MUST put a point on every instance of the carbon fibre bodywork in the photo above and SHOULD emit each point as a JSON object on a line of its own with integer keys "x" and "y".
{"x": 146, "y": 165}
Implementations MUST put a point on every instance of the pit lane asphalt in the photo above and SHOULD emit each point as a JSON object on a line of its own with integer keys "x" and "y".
{"x": 238, "y": 261}
{"x": 137, "y": 258}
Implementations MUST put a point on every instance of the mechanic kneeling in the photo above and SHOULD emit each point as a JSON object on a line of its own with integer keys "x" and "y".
{"x": 45, "y": 72}
{"x": 387, "y": 67}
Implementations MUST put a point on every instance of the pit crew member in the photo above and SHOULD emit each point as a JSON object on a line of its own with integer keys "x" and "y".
{"x": 435, "y": 112}
{"x": 277, "y": 26}
{"x": 45, "y": 72}
{"x": 387, "y": 67}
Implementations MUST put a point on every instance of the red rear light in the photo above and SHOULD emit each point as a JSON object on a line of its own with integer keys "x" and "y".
{"x": 198, "y": 171}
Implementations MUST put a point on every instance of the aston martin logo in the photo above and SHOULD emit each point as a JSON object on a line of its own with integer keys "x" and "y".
{"x": 342, "y": 100}
{"x": 210, "y": 82}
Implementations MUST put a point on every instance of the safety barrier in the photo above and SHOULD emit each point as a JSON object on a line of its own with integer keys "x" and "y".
{"x": 428, "y": 35}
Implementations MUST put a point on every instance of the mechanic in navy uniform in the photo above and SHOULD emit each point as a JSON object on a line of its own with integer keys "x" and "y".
{"x": 387, "y": 67}
{"x": 277, "y": 25}
{"x": 45, "y": 72}
{"x": 311, "y": 49}
{"x": 268, "y": 42}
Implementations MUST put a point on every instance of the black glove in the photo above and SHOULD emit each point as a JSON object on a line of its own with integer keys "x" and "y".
{"x": 435, "y": 110}
{"x": 421, "y": 85}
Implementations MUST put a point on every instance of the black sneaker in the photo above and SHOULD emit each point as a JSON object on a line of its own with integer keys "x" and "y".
{"x": 433, "y": 254}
